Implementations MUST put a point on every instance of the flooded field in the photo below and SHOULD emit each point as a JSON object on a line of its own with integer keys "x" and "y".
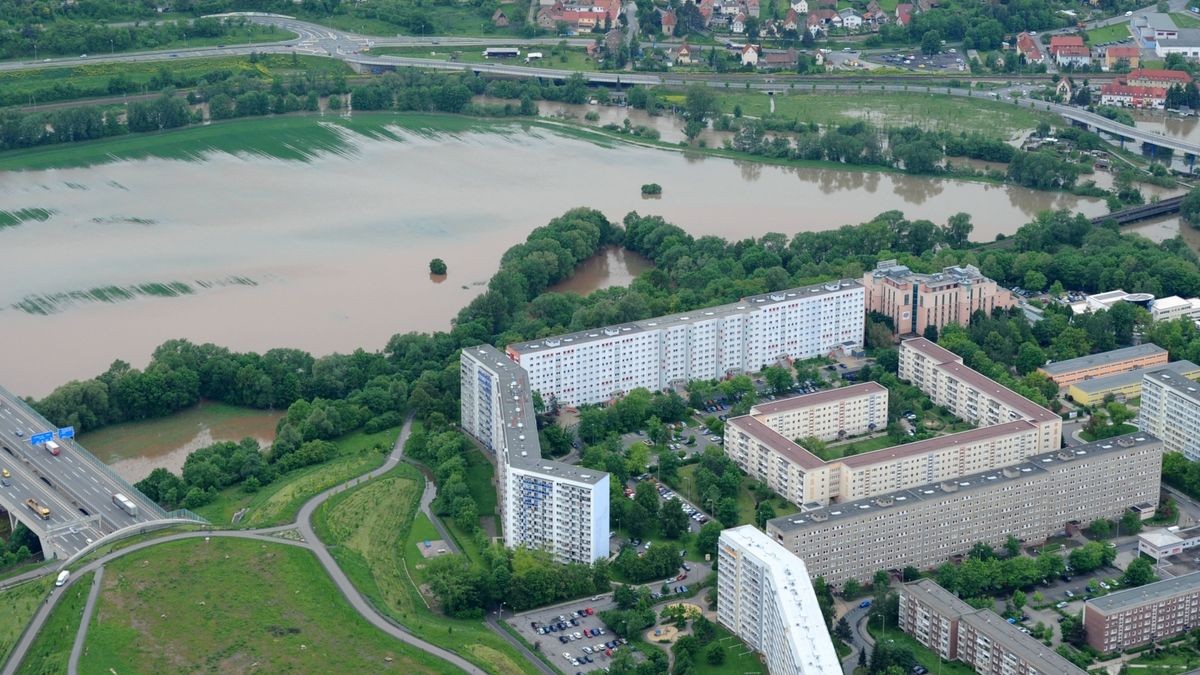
{"x": 331, "y": 253}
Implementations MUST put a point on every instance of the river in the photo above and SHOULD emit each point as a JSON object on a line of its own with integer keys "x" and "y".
{"x": 331, "y": 254}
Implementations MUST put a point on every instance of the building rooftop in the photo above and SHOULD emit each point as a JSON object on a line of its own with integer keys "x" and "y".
{"x": 686, "y": 318}
{"x": 520, "y": 423}
{"x": 932, "y": 350}
{"x": 1157, "y": 20}
{"x": 994, "y": 389}
{"x": 1102, "y": 359}
{"x": 1176, "y": 382}
{"x": 929, "y": 592}
{"x": 1025, "y": 647}
{"x": 949, "y": 275}
{"x": 817, "y": 398}
{"x": 1095, "y": 385}
{"x": 983, "y": 480}
{"x": 1159, "y": 590}
{"x": 777, "y": 442}
{"x": 1187, "y": 37}
{"x": 808, "y": 638}
{"x": 1160, "y": 538}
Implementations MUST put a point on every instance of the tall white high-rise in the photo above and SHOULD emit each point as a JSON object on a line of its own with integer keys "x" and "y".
{"x": 544, "y": 504}
{"x": 764, "y": 596}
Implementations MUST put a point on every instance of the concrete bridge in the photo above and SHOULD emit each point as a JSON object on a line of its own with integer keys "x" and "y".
{"x": 1142, "y": 212}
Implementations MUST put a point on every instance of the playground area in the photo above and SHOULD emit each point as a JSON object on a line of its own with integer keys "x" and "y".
{"x": 432, "y": 548}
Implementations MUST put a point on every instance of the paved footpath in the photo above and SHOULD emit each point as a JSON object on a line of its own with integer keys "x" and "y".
{"x": 311, "y": 542}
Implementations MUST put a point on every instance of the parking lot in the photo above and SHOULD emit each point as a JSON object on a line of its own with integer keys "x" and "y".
{"x": 571, "y": 635}
{"x": 915, "y": 61}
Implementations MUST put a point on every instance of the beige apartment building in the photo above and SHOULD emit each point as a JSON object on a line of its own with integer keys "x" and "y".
{"x": 1031, "y": 500}
{"x": 970, "y": 395}
{"x": 828, "y": 415}
{"x": 1139, "y": 615}
{"x": 916, "y": 301}
{"x": 980, "y": 638}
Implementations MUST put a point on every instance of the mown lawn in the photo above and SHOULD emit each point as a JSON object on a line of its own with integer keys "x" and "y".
{"x": 230, "y": 605}
{"x": 20, "y": 604}
{"x": 925, "y": 656}
{"x": 374, "y": 532}
{"x": 1116, "y": 32}
{"x": 745, "y": 500}
{"x": 52, "y": 648}
{"x": 278, "y": 502}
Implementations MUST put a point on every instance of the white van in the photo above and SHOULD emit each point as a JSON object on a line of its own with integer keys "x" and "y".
{"x": 62, "y": 577}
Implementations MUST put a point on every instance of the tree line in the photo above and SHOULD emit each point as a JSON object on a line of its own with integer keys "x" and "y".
{"x": 73, "y": 37}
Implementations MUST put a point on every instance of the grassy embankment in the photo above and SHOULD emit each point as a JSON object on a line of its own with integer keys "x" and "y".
{"x": 278, "y": 502}
{"x": 234, "y": 605}
{"x": 52, "y": 647}
{"x": 20, "y": 603}
{"x": 374, "y": 532}
{"x": 156, "y": 437}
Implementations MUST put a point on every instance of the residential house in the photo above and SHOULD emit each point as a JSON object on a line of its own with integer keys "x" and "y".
{"x": 851, "y": 20}
{"x": 1115, "y": 56}
{"x": 683, "y": 55}
{"x": 1029, "y": 48}
{"x": 750, "y": 55}
{"x": 613, "y": 40}
{"x": 1119, "y": 93}
{"x": 814, "y": 24}
{"x": 668, "y": 23}
{"x": 753, "y": 9}
{"x": 1063, "y": 89}
{"x": 739, "y": 24}
{"x": 499, "y": 19}
{"x": 1070, "y": 50}
{"x": 792, "y": 22}
{"x": 707, "y": 8}
{"x": 800, "y": 6}
{"x": 904, "y": 13}
{"x": 1146, "y": 77}
{"x": 580, "y": 17}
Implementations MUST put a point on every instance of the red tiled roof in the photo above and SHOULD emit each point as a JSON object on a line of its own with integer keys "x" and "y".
{"x": 1065, "y": 41}
{"x": 1122, "y": 89}
{"x": 1071, "y": 50}
{"x": 1122, "y": 52}
{"x": 1154, "y": 75}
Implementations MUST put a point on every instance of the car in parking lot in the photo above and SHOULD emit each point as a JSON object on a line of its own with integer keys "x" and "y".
{"x": 1060, "y": 605}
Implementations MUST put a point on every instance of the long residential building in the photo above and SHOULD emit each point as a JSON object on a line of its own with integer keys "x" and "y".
{"x": 1139, "y": 615}
{"x": 1125, "y": 385}
{"x": 970, "y": 395}
{"x": 929, "y": 524}
{"x": 980, "y": 638}
{"x": 761, "y": 444}
{"x": 1112, "y": 362}
{"x": 1171, "y": 410}
{"x": 764, "y": 596}
{"x": 595, "y": 366}
{"x": 917, "y": 301}
{"x": 557, "y": 507}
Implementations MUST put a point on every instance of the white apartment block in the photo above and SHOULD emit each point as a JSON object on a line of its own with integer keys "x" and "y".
{"x": 927, "y": 525}
{"x": 557, "y": 507}
{"x": 599, "y": 365}
{"x": 762, "y": 445}
{"x": 971, "y": 396}
{"x": 1171, "y": 410}
{"x": 764, "y": 596}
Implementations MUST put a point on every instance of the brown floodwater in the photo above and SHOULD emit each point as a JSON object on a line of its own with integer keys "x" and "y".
{"x": 336, "y": 249}
{"x": 614, "y": 266}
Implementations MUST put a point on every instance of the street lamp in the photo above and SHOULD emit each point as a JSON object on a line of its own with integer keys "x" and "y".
{"x": 500, "y": 612}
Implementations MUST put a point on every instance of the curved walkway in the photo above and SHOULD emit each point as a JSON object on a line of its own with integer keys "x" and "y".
{"x": 311, "y": 542}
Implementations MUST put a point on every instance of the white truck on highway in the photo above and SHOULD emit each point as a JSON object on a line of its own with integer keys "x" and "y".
{"x": 53, "y": 447}
{"x": 125, "y": 504}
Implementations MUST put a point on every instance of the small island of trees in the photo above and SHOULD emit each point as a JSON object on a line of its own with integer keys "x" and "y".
{"x": 651, "y": 190}
{"x": 437, "y": 266}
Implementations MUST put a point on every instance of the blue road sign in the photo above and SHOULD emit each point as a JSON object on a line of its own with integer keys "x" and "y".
{"x": 41, "y": 438}
{"x": 66, "y": 432}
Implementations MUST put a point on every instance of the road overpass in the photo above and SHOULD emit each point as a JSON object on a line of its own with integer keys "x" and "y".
{"x": 1143, "y": 211}
{"x": 76, "y": 487}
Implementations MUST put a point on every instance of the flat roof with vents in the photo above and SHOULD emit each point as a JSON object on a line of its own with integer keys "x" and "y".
{"x": 1141, "y": 351}
{"x": 1175, "y": 382}
{"x": 686, "y": 318}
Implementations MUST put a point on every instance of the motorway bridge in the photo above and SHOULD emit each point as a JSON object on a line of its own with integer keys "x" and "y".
{"x": 76, "y": 487}
{"x": 1143, "y": 211}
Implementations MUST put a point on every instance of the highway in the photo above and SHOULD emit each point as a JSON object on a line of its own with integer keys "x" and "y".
{"x": 75, "y": 486}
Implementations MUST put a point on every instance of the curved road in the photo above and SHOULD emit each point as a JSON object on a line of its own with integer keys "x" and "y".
{"x": 312, "y": 542}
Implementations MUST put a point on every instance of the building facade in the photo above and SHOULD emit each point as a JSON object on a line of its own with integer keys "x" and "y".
{"x": 557, "y": 507}
{"x": 970, "y": 395}
{"x": 1136, "y": 616}
{"x": 764, "y": 596}
{"x": 979, "y": 638}
{"x": 917, "y": 301}
{"x": 1031, "y": 501}
{"x": 1171, "y": 410}
{"x": 1065, "y": 373}
{"x": 600, "y": 365}
{"x": 1125, "y": 385}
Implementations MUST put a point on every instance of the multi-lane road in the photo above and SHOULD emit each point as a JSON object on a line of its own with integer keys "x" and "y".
{"x": 76, "y": 487}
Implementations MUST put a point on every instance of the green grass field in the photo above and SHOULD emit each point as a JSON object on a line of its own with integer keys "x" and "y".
{"x": 925, "y": 656}
{"x": 1116, "y": 32}
{"x": 1124, "y": 429}
{"x": 1186, "y": 19}
{"x": 159, "y": 436}
{"x": 1170, "y": 660}
{"x": 20, "y": 604}
{"x": 25, "y": 87}
{"x": 739, "y": 659}
{"x": 745, "y": 500}
{"x": 289, "y": 137}
{"x": 374, "y": 536}
{"x": 228, "y": 605}
{"x": 278, "y": 502}
{"x": 52, "y": 647}
{"x": 931, "y": 111}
